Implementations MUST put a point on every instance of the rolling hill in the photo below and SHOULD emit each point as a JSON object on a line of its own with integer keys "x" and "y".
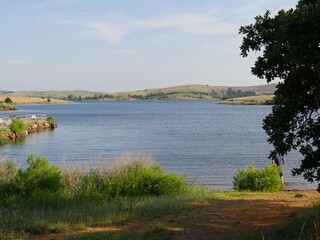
{"x": 185, "y": 92}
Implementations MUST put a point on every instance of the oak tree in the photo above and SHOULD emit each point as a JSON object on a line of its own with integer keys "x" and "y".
{"x": 288, "y": 44}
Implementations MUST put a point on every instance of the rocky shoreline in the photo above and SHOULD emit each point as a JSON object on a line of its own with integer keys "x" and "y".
{"x": 36, "y": 127}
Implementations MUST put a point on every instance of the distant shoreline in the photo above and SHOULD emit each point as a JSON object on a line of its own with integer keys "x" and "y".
{"x": 183, "y": 92}
{"x": 31, "y": 100}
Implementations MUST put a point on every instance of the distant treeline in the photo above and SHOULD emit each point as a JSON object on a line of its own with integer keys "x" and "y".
{"x": 95, "y": 97}
{"x": 224, "y": 94}
{"x": 229, "y": 93}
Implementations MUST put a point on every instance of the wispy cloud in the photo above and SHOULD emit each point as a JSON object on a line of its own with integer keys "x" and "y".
{"x": 110, "y": 32}
{"x": 195, "y": 24}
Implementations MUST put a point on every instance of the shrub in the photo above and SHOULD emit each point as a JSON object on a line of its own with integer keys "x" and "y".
{"x": 133, "y": 180}
{"x": 8, "y": 100}
{"x": 138, "y": 180}
{"x": 18, "y": 127}
{"x": 51, "y": 120}
{"x": 39, "y": 177}
{"x": 90, "y": 185}
{"x": 8, "y": 173}
{"x": 251, "y": 179}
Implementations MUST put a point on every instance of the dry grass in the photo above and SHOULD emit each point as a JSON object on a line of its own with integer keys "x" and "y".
{"x": 253, "y": 100}
{"x": 29, "y": 100}
{"x": 184, "y": 89}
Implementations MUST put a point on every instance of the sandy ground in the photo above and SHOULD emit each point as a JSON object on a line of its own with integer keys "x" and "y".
{"x": 29, "y": 100}
{"x": 223, "y": 218}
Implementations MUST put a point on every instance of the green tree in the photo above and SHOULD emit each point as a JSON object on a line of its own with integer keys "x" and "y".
{"x": 8, "y": 100}
{"x": 51, "y": 120}
{"x": 290, "y": 46}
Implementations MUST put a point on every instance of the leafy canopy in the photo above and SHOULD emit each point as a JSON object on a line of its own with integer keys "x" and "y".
{"x": 290, "y": 47}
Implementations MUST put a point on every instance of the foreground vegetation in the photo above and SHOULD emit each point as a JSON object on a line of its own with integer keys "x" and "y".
{"x": 258, "y": 180}
{"x": 44, "y": 198}
{"x": 41, "y": 198}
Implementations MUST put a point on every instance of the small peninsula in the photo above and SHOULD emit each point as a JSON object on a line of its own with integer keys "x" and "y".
{"x": 252, "y": 100}
{"x": 18, "y": 126}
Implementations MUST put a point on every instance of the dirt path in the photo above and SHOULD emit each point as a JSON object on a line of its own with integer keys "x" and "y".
{"x": 228, "y": 218}
{"x": 223, "y": 218}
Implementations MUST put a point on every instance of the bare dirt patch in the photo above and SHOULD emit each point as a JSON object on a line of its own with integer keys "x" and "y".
{"x": 235, "y": 216}
{"x": 223, "y": 218}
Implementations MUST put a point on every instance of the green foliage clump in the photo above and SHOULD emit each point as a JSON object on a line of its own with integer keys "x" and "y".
{"x": 39, "y": 177}
{"x": 8, "y": 174}
{"x": 7, "y": 107}
{"x": 137, "y": 180}
{"x": 134, "y": 180}
{"x": 252, "y": 179}
{"x": 18, "y": 127}
{"x": 51, "y": 120}
{"x": 8, "y": 100}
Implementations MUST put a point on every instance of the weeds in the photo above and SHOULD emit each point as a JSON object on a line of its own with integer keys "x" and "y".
{"x": 252, "y": 179}
{"x": 44, "y": 198}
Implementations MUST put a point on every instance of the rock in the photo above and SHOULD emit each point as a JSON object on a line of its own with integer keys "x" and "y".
{"x": 11, "y": 135}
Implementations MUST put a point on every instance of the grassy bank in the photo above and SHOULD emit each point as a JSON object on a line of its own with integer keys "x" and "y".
{"x": 138, "y": 200}
{"x": 7, "y": 107}
{"x": 44, "y": 198}
{"x": 17, "y": 128}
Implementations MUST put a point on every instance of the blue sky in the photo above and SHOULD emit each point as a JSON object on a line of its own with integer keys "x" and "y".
{"x": 120, "y": 45}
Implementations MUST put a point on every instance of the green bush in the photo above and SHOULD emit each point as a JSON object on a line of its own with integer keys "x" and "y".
{"x": 8, "y": 100}
{"x": 90, "y": 185}
{"x": 18, "y": 127}
{"x": 137, "y": 180}
{"x": 8, "y": 173}
{"x": 251, "y": 179}
{"x": 133, "y": 180}
{"x": 39, "y": 177}
{"x": 51, "y": 120}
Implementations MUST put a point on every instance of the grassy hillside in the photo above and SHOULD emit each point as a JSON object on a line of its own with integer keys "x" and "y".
{"x": 56, "y": 94}
{"x": 185, "y": 92}
{"x": 195, "y": 92}
{"x": 18, "y": 99}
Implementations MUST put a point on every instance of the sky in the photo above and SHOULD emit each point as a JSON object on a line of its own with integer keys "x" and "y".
{"x": 124, "y": 45}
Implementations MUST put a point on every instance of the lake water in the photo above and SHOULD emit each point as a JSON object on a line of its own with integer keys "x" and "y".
{"x": 201, "y": 139}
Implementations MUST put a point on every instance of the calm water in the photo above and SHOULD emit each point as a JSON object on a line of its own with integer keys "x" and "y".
{"x": 202, "y": 139}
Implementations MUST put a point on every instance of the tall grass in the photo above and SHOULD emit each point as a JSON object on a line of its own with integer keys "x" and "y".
{"x": 44, "y": 198}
